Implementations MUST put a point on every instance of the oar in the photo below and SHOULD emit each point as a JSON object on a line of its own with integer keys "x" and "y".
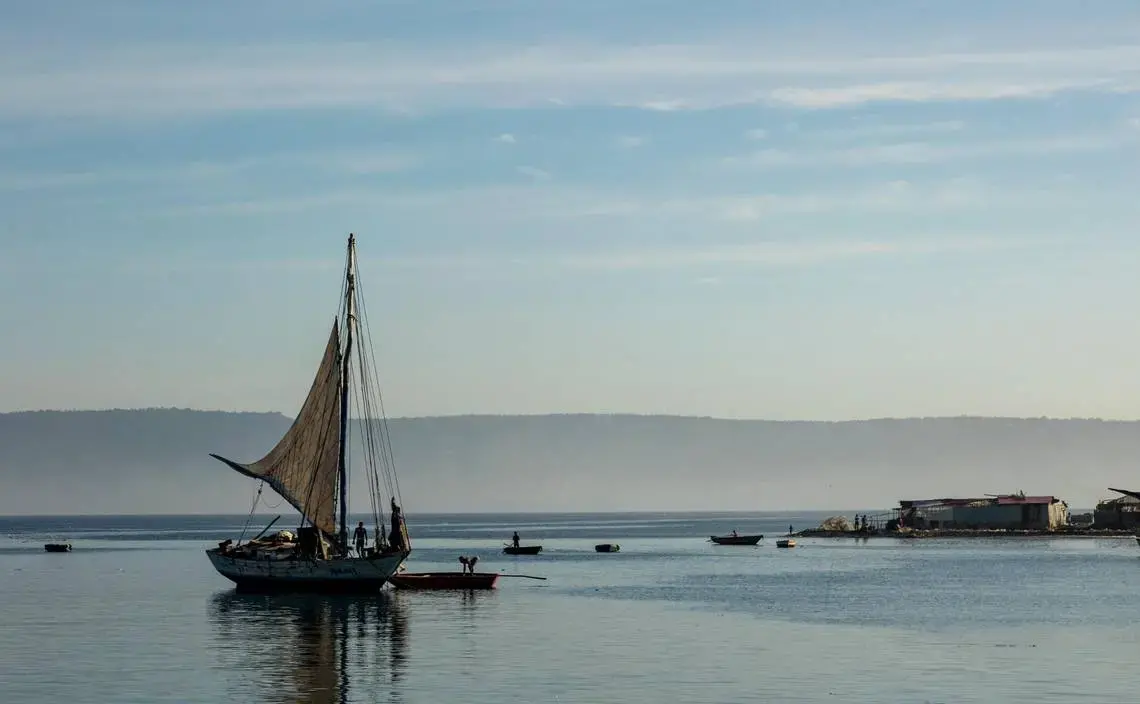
{"x": 523, "y": 576}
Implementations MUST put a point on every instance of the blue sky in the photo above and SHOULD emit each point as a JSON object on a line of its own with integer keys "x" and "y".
{"x": 819, "y": 209}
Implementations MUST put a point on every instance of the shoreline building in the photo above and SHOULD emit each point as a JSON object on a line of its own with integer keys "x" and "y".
{"x": 1121, "y": 513}
{"x": 1006, "y": 512}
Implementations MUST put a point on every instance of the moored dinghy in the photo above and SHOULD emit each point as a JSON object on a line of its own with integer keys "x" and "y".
{"x": 736, "y": 539}
{"x": 58, "y": 547}
{"x": 440, "y": 581}
{"x": 785, "y": 543}
{"x": 607, "y": 547}
{"x": 522, "y": 549}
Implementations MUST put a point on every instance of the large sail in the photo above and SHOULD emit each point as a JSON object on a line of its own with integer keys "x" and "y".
{"x": 303, "y": 466}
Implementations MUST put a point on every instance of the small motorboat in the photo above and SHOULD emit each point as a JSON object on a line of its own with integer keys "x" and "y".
{"x": 438, "y": 581}
{"x": 58, "y": 547}
{"x": 607, "y": 547}
{"x": 736, "y": 539}
{"x": 786, "y": 543}
{"x": 522, "y": 549}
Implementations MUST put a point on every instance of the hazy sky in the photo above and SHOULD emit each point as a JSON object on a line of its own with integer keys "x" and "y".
{"x": 812, "y": 209}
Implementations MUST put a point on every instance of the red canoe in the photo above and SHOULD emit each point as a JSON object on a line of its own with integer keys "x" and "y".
{"x": 444, "y": 580}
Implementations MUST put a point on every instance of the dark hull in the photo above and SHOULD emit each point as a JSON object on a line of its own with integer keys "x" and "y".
{"x": 736, "y": 539}
{"x": 523, "y": 550}
{"x": 58, "y": 547}
{"x": 437, "y": 581}
{"x": 607, "y": 547}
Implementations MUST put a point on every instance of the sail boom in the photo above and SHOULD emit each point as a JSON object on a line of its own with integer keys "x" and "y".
{"x": 273, "y": 483}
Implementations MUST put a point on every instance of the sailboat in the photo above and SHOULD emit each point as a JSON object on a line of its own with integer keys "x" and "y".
{"x": 309, "y": 468}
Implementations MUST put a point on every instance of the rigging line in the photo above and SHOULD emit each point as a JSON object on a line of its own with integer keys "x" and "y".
{"x": 373, "y": 499}
{"x": 364, "y": 401}
{"x": 369, "y": 383}
{"x": 252, "y": 508}
{"x": 375, "y": 440}
{"x": 387, "y": 440}
{"x": 371, "y": 357}
{"x": 273, "y": 507}
{"x": 392, "y": 477}
{"x": 368, "y": 439}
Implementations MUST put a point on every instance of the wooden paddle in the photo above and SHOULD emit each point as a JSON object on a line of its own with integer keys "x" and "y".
{"x": 523, "y": 576}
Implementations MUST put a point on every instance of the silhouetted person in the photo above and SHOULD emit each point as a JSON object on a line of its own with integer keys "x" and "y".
{"x": 790, "y": 529}
{"x": 515, "y": 539}
{"x": 463, "y": 563}
{"x": 734, "y": 533}
{"x": 396, "y": 539}
{"x": 471, "y": 563}
{"x": 359, "y": 537}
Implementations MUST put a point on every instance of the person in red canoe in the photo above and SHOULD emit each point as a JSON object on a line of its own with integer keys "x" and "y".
{"x": 471, "y": 563}
{"x": 463, "y": 563}
{"x": 734, "y": 533}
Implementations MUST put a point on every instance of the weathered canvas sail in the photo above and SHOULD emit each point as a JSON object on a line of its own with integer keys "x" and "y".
{"x": 303, "y": 466}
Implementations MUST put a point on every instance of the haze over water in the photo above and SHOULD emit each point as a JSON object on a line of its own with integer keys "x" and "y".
{"x": 136, "y": 614}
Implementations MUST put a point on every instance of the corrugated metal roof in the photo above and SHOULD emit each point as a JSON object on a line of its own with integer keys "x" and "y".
{"x": 1005, "y": 500}
{"x": 999, "y": 500}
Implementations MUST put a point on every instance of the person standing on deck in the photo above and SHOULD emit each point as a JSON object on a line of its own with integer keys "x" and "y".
{"x": 359, "y": 537}
{"x": 396, "y": 539}
{"x": 515, "y": 539}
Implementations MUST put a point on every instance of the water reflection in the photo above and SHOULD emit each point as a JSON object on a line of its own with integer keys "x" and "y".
{"x": 311, "y": 649}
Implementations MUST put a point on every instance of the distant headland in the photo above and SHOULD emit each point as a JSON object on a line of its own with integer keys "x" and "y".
{"x": 156, "y": 461}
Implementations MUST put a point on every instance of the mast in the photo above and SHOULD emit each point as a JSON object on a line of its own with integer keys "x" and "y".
{"x": 350, "y": 321}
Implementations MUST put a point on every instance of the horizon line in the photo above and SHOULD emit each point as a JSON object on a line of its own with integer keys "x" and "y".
{"x": 552, "y": 414}
{"x": 639, "y": 512}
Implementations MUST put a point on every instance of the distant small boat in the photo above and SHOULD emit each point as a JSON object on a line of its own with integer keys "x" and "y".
{"x": 437, "y": 581}
{"x": 523, "y": 549}
{"x": 736, "y": 539}
{"x": 58, "y": 547}
{"x": 607, "y": 547}
{"x": 786, "y": 543}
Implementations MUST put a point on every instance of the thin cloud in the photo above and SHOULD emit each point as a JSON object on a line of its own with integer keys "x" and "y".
{"x": 345, "y": 162}
{"x": 756, "y": 134}
{"x": 534, "y": 173}
{"x": 632, "y": 142}
{"x": 903, "y": 153}
{"x": 187, "y": 80}
{"x": 542, "y": 203}
{"x": 721, "y": 257}
{"x": 506, "y": 138}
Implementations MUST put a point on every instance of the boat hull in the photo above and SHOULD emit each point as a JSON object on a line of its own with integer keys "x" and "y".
{"x": 340, "y": 576}
{"x": 523, "y": 550}
{"x": 58, "y": 547}
{"x": 607, "y": 547}
{"x": 736, "y": 539}
{"x": 789, "y": 543}
{"x": 439, "y": 581}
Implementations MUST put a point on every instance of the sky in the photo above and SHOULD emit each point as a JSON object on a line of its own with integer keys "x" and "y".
{"x": 813, "y": 210}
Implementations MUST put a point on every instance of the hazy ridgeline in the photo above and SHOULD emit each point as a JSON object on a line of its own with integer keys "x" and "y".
{"x": 156, "y": 461}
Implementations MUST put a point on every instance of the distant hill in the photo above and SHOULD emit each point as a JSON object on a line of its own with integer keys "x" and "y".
{"x": 156, "y": 461}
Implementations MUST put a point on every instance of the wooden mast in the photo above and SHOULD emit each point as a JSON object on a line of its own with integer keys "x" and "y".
{"x": 350, "y": 321}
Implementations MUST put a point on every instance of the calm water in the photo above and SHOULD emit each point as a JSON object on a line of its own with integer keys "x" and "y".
{"x": 136, "y": 614}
